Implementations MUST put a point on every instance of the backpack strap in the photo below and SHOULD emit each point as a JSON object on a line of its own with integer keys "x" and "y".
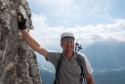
{"x": 78, "y": 58}
{"x": 58, "y": 66}
{"x": 79, "y": 61}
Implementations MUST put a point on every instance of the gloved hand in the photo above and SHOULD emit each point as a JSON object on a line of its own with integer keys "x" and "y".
{"x": 21, "y": 21}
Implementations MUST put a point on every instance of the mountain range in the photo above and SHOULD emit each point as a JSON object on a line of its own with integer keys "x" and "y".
{"x": 106, "y": 58}
{"x": 106, "y": 54}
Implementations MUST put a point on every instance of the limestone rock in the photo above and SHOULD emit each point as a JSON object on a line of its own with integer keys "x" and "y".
{"x": 18, "y": 63}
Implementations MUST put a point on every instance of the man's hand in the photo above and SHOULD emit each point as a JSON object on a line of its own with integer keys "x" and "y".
{"x": 21, "y": 21}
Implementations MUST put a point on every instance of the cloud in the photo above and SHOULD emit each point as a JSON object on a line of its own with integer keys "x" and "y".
{"x": 88, "y": 20}
{"x": 72, "y": 12}
{"x": 48, "y": 35}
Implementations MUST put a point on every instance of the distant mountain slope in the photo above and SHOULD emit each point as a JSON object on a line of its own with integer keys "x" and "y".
{"x": 47, "y": 77}
{"x": 106, "y": 77}
{"x": 106, "y": 54}
{"x": 110, "y": 77}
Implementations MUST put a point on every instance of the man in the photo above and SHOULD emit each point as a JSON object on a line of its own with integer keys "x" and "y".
{"x": 69, "y": 72}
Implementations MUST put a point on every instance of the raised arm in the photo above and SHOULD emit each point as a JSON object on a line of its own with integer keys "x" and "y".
{"x": 26, "y": 36}
{"x": 33, "y": 43}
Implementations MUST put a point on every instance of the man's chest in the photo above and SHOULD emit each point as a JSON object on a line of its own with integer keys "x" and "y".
{"x": 70, "y": 67}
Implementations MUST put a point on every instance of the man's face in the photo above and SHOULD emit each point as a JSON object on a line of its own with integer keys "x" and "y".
{"x": 67, "y": 45}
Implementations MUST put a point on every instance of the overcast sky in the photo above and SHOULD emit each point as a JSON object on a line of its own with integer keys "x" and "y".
{"x": 90, "y": 20}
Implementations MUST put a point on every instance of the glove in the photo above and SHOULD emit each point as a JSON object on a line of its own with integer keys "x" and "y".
{"x": 22, "y": 23}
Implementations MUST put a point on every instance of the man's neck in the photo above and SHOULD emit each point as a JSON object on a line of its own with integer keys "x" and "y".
{"x": 69, "y": 54}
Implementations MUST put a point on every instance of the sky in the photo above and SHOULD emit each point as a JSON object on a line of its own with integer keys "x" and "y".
{"x": 90, "y": 20}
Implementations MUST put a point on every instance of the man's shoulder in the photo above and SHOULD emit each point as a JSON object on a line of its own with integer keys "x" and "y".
{"x": 52, "y": 53}
{"x": 81, "y": 55}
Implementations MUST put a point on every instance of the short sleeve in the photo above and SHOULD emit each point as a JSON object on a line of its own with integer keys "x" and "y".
{"x": 53, "y": 57}
{"x": 87, "y": 69}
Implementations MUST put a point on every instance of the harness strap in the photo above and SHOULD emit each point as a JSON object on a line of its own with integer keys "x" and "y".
{"x": 81, "y": 66}
{"x": 58, "y": 66}
{"x": 79, "y": 61}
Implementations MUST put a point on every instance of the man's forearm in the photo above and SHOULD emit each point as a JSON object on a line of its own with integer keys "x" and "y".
{"x": 31, "y": 42}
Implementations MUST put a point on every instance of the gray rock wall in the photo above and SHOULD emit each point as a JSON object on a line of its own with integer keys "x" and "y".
{"x": 18, "y": 63}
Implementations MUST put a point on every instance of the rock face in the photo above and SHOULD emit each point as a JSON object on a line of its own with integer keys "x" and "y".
{"x": 18, "y": 63}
